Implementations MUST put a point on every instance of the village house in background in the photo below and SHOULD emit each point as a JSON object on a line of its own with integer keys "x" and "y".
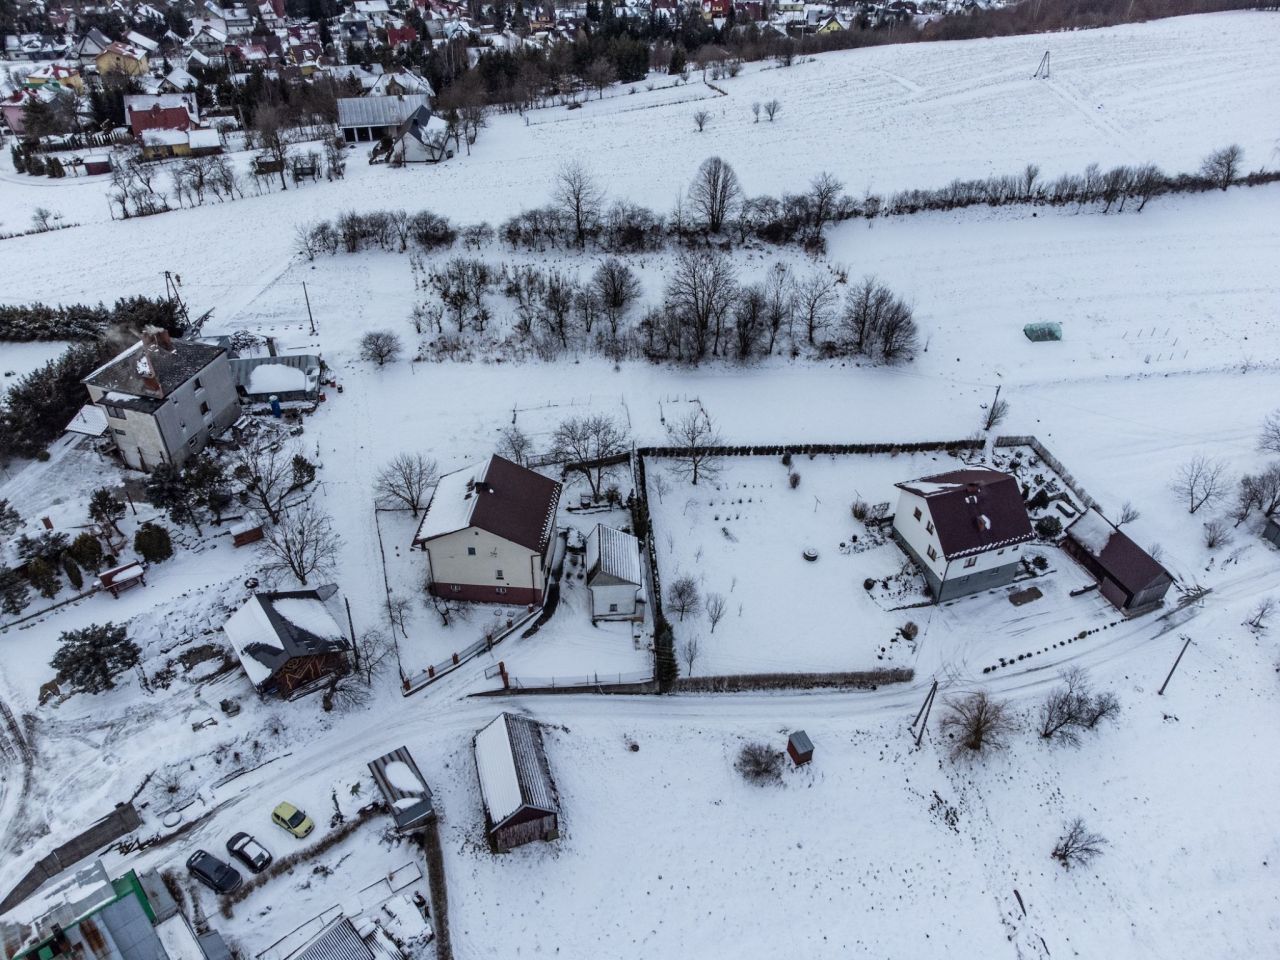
{"x": 614, "y": 576}
{"x": 423, "y": 138}
{"x": 489, "y": 533}
{"x": 85, "y": 914}
{"x": 515, "y": 782}
{"x": 1127, "y": 575}
{"x": 164, "y": 399}
{"x": 963, "y": 530}
{"x": 290, "y": 643}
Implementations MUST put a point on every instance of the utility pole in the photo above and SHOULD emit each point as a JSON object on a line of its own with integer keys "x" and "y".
{"x": 1160, "y": 692}
{"x": 922, "y": 717}
{"x": 309, "y": 316}
{"x": 171, "y": 282}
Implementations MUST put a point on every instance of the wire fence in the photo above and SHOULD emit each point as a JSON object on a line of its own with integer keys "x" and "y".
{"x": 584, "y": 680}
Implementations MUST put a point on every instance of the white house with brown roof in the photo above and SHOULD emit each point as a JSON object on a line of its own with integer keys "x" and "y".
{"x": 164, "y": 399}
{"x": 964, "y": 530}
{"x": 489, "y": 533}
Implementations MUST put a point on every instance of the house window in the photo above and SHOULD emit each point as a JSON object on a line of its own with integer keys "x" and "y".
{"x": 193, "y": 441}
{"x": 199, "y": 385}
{"x": 114, "y": 412}
{"x": 455, "y": 588}
{"x": 204, "y": 408}
{"x": 499, "y": 589}
{"x": 972, "y": 561}
{"x": 917, "y": 513}
{"x": 929, "y": 526}
{"x": 933, "y": 554}
{"x": 471, "y": 551}
{"x": 1000, "y": 552}
{"x": 613, "y": 608}
{"x": 118, "y": 431}
{"x": 500, "y": 576}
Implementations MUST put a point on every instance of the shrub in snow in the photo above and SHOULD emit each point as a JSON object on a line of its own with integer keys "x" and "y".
{"x": 759, "y": 763}
{"x": 786, "y": 459}
{"x": 1216, "y": 534}
{"x": 794, "y": 480}
{"x": 976, "y": 723}
{"x": 910, "y": 630}
{"x": 1040, "y": 561}
{"x": 1077, "y": 846}
{"x": 43, "y": 577}
{"x": 72, "y": 570}
{"x": 152, "y": 543}
{"x": 1048, "y": 527}
{"x": 87, "y": 551}
{"x": 860, "y": 510}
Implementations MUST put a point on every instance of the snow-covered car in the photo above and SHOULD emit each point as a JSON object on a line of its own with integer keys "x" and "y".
{"x": 212, "y": 872}
{"x": 249, "y": 852}
{"x": 290, "y": 818}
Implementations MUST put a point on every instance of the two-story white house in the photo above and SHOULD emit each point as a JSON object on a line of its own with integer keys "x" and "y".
{"x": 964, "y": 530}
{"x": 164, "y": 399}
{"x": 489, "y": 533}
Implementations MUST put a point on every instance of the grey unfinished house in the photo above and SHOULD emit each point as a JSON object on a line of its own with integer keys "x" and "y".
{"x": 964, "y": 530}
{"x": 164, "y": 399}
{"x": 515, "y": 781}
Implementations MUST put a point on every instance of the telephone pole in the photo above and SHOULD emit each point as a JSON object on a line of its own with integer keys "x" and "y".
{"x": 922, "y": 717}
{"x": 308, "y": 300}
{"x": 1160, "y": 692}
{"x": 171, "y": 282}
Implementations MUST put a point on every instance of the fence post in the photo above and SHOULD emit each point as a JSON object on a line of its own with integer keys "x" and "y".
{"x": 455, "y": 659}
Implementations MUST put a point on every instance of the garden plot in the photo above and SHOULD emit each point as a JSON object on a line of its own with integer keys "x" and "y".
{"x": 743, "y": 534}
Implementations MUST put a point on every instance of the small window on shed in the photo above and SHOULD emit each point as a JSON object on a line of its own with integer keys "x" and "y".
{"x": 499, "y": 589}
{"x": 613, "y": 608}
{"x": 455, "y": 588}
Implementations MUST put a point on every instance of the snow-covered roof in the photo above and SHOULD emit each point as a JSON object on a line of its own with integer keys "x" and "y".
{"x": 403, "y": 787}
{"x": 203, "y": 139}
{"x": 614, "y": 554}
{"x": 268, "y": 378}
{"x": 1116, "y": 554}
{"x": 163, "y": 138}
{"x": 91, "y": 420}
{"x": 378, "y": 111}
{"x": 273, "y": 628}
{"x": 62, "y": 901}
{"x": 512, "y": 768}
{"x": 498, "y": 496}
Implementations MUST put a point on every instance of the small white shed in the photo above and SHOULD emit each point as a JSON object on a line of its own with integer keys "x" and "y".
{"x": 614, "y": 575}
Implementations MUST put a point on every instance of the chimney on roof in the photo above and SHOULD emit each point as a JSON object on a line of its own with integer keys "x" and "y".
{"x": 157, "y": 338}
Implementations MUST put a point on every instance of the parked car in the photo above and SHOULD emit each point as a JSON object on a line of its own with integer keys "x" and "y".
{"x": 212, "y": 872}
{"x": 289, "y": 817}
{"x": 249, "y": 852}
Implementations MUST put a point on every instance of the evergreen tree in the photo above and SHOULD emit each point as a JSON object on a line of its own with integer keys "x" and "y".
{"x": 86, "y": 551}
{"x": 169, "y": 489}
{"x": 9, "y": 519}
{"x": 678, "y": 61}
{"x": 106, "y": 509}
{"x": 89, "y": 660}
{"x": 152, "y": 543}
{"x": 14, "y": 596}
{"x": 207, "y": 480}
{"x": 72, "y": 570}
{"x": 44, "y": 578}
{"x": 48, "y": 546}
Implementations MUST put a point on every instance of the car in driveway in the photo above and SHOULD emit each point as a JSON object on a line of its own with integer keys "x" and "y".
{"x": 249, "y": 852}
{"x": 290, "y": 818}
{"x": 213, "y": 873}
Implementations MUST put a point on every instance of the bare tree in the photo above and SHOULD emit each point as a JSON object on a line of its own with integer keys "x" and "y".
{"x": 380, "y": 346}
{"x": 976, "y": 723}
{"x": 1077, "y": 846}
{"x": 1062, "y": 712}
{"x": 715, "y": 607}
{"x": 399, "y": 607}
{"x": 771, "y": 109}
{"x": 660, "y": 485}
{"x": 371, "y": 653}
{"x": 815, "y": 296}
{"x": 1128, "y": 514}
{"x": 755, "y": 111}
{"x": 696, "y": 436}
{"x": 515, "y": 445}
{"x": 270, "y": 125}
{"x": 1216, "y": 534}
{"x": 995, "y": 414}
{"x": 578, "y": 196}
{"x": 1099, "y": 707}
{"x": 1269, "y": 438}
{"x": 1200, "y": 481}
{"x": 407, "y": 478}
{"x": 303, "y": 543}
{"x": 824, "y": 198}
{"x": 715, "y": 194}
{"x": 700, "y": 291}
{"x": 700, "y": 119}
{"x": 682, "y": 595}
{"x": 617, "y": 288}
{"x": 600, "y": 74}
{"x": 759, "y": 763}
{"x": 689, "y": 653}
{"x": 1223, "y": 166}
{"x": 1258, "y": 619}
{"x": 264, "y": 464}
{"x": 585, "y": 442}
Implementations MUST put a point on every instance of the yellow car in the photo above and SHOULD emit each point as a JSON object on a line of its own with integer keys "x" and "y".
{"x": 289, "y": 817}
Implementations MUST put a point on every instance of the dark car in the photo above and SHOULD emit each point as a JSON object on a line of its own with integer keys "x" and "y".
{"x": 212, "y": 872}
{"x": 249, "y": 852}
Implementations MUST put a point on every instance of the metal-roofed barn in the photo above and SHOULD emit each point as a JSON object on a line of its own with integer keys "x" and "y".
{"x": 614, "y": 575}
{"x": 515, "y": 782}
{"x": 1127, "y": 575}
{"x": 404, "y": 788}
{"x": 363, "y": 119}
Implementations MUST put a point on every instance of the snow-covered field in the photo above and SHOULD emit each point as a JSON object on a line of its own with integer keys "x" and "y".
{"x": 1169, "y": 351}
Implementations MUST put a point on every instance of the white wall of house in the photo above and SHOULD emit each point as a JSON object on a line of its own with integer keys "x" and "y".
{"x": 478, "y": 557}
{"x": 920, "y": 536}
{"x": 610, "y": 601}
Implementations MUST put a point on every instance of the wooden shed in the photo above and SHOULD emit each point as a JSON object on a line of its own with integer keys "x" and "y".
{"x": 404, "y": 788}
{"x": 799, "y": 748}
{"x": 1127, "y": 575}
{"x": 119, "y": 579}
{"x": 515, "y": 781}
{"x": 247, "y": 530}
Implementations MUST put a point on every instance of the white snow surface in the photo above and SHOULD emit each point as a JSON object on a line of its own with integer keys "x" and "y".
{"x": 499, "y": 782}
{"x": 452, "y": 503}
{"x": 268, "y": 378}
{"x": 1092, "y": 531}
{"x": 401, "y": 776}
{"x": 310, "y": 614}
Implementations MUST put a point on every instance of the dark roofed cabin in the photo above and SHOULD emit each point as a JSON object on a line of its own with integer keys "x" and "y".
{"x": 1127, "y": 575}
{"x": 515, "y": 781}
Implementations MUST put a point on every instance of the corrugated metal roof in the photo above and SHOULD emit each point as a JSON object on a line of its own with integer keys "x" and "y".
{"x": 512, "y": 768}
{"x": 613, "y": 553}
{"x": 403, "y": 786}
{"x": 338, "y": 941}
{"x": 378, "y": 111}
